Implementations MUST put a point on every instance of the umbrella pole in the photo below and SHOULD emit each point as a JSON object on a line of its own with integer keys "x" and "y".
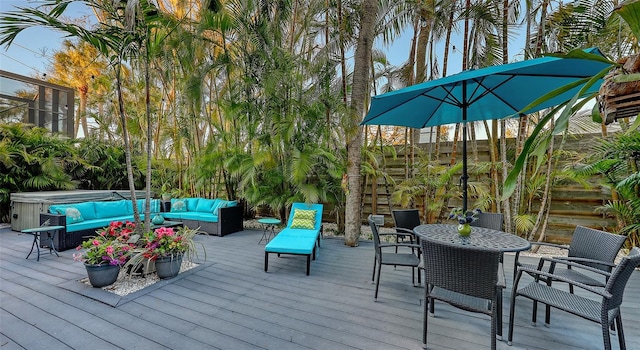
{"x": 464, "y": 146}
{"x": 464, "y": 165}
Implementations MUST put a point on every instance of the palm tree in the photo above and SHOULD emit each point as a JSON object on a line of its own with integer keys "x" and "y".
{"x": 77, "y": 64}
{"x": 359, "y": 93}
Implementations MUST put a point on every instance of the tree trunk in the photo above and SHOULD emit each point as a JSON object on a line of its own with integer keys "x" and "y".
{"x": 127, "y": 145}
{"x": 359, "y": 92}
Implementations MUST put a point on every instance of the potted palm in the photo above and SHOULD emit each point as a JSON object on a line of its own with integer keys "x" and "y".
{"x": 105, "y": 254}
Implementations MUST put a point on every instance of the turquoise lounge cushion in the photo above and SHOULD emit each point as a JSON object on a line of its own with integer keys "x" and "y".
{"x": 291, "y": 245}
{"x": 179, "y": 205}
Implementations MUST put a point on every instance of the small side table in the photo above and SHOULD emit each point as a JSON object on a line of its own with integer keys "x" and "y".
{"x": 269, "y": 228}
{"x": 37, "y": 232}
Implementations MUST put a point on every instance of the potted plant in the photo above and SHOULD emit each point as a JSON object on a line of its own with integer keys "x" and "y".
{"x": 107, "y": 252}
{"x": 166, "y": 247}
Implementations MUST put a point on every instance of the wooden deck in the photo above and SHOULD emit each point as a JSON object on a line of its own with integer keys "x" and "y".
{"x": 229, "y": 302}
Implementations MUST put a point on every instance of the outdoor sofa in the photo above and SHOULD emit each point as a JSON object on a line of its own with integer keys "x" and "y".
{"x": 302, "y": 235}
{"x": 216, "y": 217}
{"x": 81, "y": 220}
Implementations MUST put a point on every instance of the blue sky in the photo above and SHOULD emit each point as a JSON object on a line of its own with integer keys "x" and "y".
{"x": 32, "y": 51}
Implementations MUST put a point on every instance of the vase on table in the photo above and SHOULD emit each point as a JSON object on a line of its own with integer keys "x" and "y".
{"x": 102, "y": 275}
{"x": 157, "y": 220}
{"x": 168, "y": 266}
{"x": 464, "y": 231}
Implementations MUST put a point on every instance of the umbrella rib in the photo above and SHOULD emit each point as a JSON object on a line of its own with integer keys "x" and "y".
{"x": 448, "y": 99}
{"x": 491, "y": 91}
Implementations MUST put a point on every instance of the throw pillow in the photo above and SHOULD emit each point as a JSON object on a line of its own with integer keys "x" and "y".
{"x": 73, "y": 215}
{"x": 215, "y": 209}
{"x": 304, "y": 219}
{"x": 178, "y": 205}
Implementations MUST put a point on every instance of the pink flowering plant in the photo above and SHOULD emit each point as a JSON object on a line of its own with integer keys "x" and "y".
{"x": 165, "y": 241}
{"x": 111, "y": 246}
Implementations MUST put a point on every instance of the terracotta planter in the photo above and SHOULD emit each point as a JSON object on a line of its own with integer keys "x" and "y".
{"x": 168, "y": 266}
{"x": 102, "y": 275}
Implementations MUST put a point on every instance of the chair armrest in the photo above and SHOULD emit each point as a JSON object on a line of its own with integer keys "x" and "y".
{"x": 598, "y": 291}
{"x": 404, "y": 231}
{"x": 568, "y": 261}
{"x": 392, "y": 234}
{"x": 583, "y": 260}
{"x": 385, "y": 245}
{"x": 550, "y": 245}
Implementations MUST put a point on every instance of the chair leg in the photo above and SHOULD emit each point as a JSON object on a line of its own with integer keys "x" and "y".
{"x": 432, "y": 306}
{"x": 606, "y": 337}
{"x": 620, "y": 332}
{"x": 266, "y": 261}
{"x": 512, "y": 309}
{"x": 494, "y": 326}
{"x": 377, "y": 281}
{"x": 413, "y": 275}
{"x": 373, "y": 274}
{"x": 424, "y": 318}
{"x": 498, "y": 313}
{"x": 547, "y": 316}
{"x": 308, "y": 263}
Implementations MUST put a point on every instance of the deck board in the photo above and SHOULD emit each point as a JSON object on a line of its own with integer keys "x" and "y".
{"x": 231, "y": 303}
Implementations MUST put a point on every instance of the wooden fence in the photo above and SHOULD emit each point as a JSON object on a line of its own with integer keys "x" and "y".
{"x": 571, "y": 204}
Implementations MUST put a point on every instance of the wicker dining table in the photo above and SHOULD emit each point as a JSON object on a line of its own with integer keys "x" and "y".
{"x": 480, "y": 237}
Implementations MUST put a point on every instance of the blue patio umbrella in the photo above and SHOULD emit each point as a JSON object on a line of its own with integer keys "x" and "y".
{"x": 482, "y": 94}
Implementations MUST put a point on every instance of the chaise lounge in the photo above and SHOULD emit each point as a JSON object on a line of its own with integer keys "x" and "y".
{"x": 301, "y": 236}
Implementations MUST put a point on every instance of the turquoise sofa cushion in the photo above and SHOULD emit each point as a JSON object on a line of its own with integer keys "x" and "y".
{"x": 192, "y": 203}
{"x": 87, "y": 210}
{"x": 97, "y": 224}
{"x": 206, "y": 205}
{"x": 206, "y": 217}
{"x": 111, "y": 209}
{"x": 154, "y": 203}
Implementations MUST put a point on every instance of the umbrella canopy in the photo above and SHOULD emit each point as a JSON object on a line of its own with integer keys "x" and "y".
{"x": 482, "y": 94}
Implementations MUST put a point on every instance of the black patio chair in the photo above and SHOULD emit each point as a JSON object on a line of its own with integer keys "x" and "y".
{"x": 493, "y": 221}
{"x": 465, "y": 277}
{"x": 606, "y": 311}
{"x": 383, "y": 257}
{"x": 589, "y": 247}
{"x": 405, "y": 220}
